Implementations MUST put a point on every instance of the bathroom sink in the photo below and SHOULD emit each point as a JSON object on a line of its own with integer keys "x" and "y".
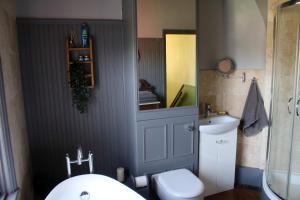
{"x": 217, "y": 124}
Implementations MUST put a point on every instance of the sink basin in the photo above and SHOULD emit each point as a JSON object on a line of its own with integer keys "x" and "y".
{"x": 218, "y": 124}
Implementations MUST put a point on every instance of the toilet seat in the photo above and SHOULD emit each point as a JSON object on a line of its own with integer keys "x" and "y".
{"x": 180, "y": 183}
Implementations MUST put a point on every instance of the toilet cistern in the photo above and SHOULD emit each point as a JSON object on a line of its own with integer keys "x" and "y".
{"x": 79, "y": 161}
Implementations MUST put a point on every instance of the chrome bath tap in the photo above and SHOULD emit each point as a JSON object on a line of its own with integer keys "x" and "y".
{"x": 79, "y": 161}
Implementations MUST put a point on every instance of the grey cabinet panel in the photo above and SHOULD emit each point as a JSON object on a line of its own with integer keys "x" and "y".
{"x": 165, "y": 144}
{"x": 155, "y": 143}
{"x": 183, "y": 137}
{"x": 157, "y": 167}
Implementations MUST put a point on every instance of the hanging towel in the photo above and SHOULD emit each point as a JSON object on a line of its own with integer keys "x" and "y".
{"x": 254, "y": 117}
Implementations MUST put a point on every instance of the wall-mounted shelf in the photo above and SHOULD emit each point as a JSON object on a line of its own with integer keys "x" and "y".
{"x": 79, "y": 49}
{"x": 74, "y": 53}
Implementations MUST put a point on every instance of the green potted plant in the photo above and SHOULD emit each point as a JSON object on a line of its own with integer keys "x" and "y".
{"x": 79, "y": 86}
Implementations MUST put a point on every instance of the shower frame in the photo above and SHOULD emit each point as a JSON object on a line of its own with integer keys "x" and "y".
{"x": 295, "y": 101}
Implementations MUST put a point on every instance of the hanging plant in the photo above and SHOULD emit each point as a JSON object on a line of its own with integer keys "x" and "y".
{"x": 79, "y": 86}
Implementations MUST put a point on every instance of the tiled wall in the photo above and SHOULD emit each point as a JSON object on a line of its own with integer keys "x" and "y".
{"x": 14, "y": 97}
{"x": 229, "y": 94}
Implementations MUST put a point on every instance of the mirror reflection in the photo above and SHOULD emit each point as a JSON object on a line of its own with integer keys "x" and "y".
{"x": 166, "y": 53}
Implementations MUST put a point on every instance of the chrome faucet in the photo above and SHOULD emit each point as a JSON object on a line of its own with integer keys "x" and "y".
{"x": 79, "y": 155}
{"x": 207, "y": 110}
{"x": 79, "y": 161}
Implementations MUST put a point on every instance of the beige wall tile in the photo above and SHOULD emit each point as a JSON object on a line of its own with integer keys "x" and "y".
{"x": 229, "y": 94}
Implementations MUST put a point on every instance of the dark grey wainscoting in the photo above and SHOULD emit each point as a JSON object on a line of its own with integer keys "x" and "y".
{"x": 249, "y": 176}
{"x": 54, "y": 126}
{"x": 151, "y": 66}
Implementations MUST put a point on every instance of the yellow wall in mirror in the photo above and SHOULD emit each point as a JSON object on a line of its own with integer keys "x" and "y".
{"x": 180, "y": 63}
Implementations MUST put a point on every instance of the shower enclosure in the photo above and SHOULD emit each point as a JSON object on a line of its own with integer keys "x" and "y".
{"x": 282, "y": 176}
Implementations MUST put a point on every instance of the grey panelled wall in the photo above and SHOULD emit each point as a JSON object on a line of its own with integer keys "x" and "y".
{"x": 151, "y": 66}
{"x": 54, "y": 126}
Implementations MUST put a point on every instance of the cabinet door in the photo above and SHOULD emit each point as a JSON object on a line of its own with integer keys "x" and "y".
{"x": 166, "y": 144}
{"x": 183, "y": 131}
{"x": 226, "y": 160}
{"x": 217, "y": 161}
{"x": 208, "y": 160}
{"x": 153, "y": 140}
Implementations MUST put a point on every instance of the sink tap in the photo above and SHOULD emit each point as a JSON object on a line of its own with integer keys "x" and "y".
{"x": 207, "y": 110}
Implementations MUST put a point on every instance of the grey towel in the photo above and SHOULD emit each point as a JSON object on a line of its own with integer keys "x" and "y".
{"x": 254, "y": 117}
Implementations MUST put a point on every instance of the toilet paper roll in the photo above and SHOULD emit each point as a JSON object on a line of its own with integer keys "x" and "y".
{"x": 141, "y": 181}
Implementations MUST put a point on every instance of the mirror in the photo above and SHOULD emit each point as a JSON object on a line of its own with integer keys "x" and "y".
{"x": 226, "y": 66}
{"x": 166, "y": 66}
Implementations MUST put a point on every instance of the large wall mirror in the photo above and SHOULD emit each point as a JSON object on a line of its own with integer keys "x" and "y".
{"x": 166, "y": 65}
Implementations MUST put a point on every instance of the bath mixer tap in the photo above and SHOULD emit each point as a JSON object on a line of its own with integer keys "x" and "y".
{"x": 79, "y": 161}
{"x": 79, "y": 155}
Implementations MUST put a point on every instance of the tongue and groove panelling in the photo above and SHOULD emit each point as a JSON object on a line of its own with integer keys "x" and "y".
{"x": 54, "y": 126}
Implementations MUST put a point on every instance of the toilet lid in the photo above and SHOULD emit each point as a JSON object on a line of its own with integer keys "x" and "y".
{"x": 181, "y": 183}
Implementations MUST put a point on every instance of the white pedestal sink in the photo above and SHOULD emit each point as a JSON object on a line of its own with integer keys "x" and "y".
{"x": 217, "y": 156}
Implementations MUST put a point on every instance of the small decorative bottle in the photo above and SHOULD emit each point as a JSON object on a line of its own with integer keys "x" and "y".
{"x": 84, "y": 35}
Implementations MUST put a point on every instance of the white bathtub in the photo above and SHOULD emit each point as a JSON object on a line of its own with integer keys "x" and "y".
{"x": 92, "y": 187}
{"x": 280, "y": 180}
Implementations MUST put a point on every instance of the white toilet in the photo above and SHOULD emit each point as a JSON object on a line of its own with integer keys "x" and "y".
{"x": 178, "y": 184}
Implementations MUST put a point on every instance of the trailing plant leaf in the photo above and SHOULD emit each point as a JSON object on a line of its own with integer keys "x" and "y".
{"x": 79, "y": 86}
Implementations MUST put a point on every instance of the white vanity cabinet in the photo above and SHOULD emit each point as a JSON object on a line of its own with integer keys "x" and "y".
{"x": 217, "y": 156}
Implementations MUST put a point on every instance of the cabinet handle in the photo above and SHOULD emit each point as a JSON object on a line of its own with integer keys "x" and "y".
{"x": 297, "y": 107}
{"x": 289, "y": 102}
{"x": 191, "y": 128}
{"x": 221, "y": 141}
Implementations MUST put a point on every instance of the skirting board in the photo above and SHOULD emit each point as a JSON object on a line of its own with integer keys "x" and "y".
{"x": 249, "y": 176}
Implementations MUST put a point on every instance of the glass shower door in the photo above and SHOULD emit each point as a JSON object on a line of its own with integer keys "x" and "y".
{"x": 294, "y": 173}
{"x": 283, "y": 101}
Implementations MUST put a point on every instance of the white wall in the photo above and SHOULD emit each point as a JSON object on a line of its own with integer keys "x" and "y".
{"x": 78, "y": 9}
{"x": 235, "y": 29}
{"x": 156, "y": 15}
{"x": 211, "y": 32}
{"x": 246, "y": 32}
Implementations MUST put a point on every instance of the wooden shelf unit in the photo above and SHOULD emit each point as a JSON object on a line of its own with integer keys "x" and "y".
{"x": 72, "y": 55}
